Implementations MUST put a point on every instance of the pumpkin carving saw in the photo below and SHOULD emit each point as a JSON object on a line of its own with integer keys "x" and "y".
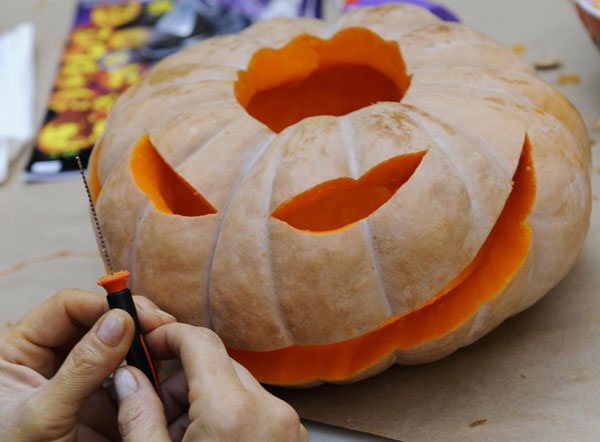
{"x": 335, "y": 198}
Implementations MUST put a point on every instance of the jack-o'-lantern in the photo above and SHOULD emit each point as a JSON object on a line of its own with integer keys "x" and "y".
{"x": 335, "y": 198}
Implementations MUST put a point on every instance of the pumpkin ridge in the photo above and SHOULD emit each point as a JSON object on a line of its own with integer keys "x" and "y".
{"x": 245, "y": 170}
{"x": 474, "y": 262}
{"x": 418, "y": 116}
{"x": 348, "y": 138}
{"x": 476, "y": 48}
{"x": 487, "y": 148}
{"x": 150, "y": 93}
{"x": 395, "y": 36}
{"x": 114, "y": 161}
{"x": 138, "y": 225}
{"x": 251, "y": 32}
{"x": 288, "y": 134}
{"x": 172, "y": 121}
{"x": 454, "y": 32}
{"x": 210, "y": 141}
{"x": 157, "y": 92}
{"x": 150, "y": 203}
{"x": 509, "y": 95}
{"x": 369, "y": 17}
{"x": 140, "y": 220}
{"x": 142, "y": 217}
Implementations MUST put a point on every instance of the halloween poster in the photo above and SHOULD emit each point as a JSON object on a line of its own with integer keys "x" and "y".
{"x": 110, "y": 46}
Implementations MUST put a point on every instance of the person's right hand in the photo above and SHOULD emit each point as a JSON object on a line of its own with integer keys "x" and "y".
{"x": 212, "y": 399}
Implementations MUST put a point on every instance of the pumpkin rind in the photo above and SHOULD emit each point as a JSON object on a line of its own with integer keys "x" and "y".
{"x": 264, "y": 285}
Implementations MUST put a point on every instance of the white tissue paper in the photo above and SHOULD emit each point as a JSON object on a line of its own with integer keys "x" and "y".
{"x": 17, "y": 83}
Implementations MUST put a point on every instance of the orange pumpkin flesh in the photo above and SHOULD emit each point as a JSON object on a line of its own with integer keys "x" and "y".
{"x": 310, "y": 76}
{"x": 496, "y": 263}
{"x": 338, "y": 203}
{"x": 93, "y": 179}
{"x": 169, "y": 192}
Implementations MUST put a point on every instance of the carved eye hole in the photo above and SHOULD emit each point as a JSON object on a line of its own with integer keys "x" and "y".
{"x": 169, "y": 192}
{"x": 338, "y": 203}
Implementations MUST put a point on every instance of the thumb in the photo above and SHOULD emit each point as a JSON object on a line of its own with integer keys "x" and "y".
{"x": 141, "y": 414}
{"x": 89, "y": 363}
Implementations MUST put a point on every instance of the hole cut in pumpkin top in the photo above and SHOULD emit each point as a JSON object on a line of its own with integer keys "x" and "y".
{"x": 310, "y": 76}
{"x": 338, "y": 203}
{"x": 169, "y": 192}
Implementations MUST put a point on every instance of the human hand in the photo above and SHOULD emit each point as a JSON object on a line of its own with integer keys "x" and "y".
{"x": 52, "y": 367}
{"x": 213, "y": 398}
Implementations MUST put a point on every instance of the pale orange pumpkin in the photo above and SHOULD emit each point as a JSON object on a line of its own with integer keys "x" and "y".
{"x": 335, "y": 198}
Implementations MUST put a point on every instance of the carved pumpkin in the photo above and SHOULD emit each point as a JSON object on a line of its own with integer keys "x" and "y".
{"x": 333, "y": 199}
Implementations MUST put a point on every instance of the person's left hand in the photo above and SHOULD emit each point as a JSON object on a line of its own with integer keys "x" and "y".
{"x": 52, "y": 367}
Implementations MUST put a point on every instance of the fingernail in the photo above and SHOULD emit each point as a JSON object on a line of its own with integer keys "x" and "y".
{"x": 164, "y": 313}
{"x": 125, "y": 383}
{"x": 111, "y": 329}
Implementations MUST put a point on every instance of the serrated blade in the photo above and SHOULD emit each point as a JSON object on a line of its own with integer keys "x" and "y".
{"x": 95, "y": 218}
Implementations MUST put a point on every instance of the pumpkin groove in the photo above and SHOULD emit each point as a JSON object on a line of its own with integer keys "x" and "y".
{"x": 497, "y": 261}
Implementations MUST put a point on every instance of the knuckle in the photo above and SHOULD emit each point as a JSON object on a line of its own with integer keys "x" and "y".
{"x": 67, "y": 293}
{"x": 130, "y": 418}
{"x": 207, "y": 335}
{"x": 84, "y": 360}
{"x": 62, "y": 294}
{"x": 195, "y": 334}
{"x": 241, "y": 416}
{"x": 144, "y": 302}
{"x": 285, "y": 416}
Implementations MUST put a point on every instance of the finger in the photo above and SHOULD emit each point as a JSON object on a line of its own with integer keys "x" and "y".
{"x": 248, "y": 381}
{"x": 175, "y": 393}
{"x": 273, "y": 409}
{"x": 178, "y": 428}
{"x": 61, "y": 317}
{"x": 207, "y": 366}
{"x": 303, "y": 434}
{"x": 150, "y": 315}
{"x": 86, "y": 367}
{"x": 58, "y": 323}
{"x": 141, "y": 417}
{"x": 226, "y": 403}
{"x": 100, "y": 414}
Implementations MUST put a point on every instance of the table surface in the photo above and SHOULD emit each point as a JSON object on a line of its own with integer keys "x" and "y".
{"x": 46, "y": 240}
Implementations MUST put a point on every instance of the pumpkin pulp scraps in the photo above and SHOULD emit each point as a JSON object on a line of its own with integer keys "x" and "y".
{"x": 169, "y": 192}
{"x": 341, "y": 202}
{"x": 309, "y": 76}
{"x": 496, "y": 263}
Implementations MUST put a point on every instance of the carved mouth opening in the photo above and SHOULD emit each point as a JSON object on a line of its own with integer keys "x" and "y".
{"x": 310, "y": 77}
